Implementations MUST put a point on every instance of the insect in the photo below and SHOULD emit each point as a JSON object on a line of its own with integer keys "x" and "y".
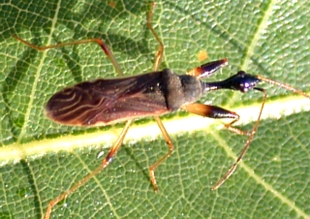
{"x": 108, "y": 101}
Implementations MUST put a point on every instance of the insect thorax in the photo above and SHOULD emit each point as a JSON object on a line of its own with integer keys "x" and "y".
{"x": 180, "y": 89}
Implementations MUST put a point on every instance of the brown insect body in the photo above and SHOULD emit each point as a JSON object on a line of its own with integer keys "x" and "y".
{"x": 108, "y": 101}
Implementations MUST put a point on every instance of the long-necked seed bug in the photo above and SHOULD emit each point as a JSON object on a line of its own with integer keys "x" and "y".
{"x": 107, "y": 101}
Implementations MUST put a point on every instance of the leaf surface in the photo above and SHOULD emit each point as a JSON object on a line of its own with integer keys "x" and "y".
{"x": 41, "y": 159}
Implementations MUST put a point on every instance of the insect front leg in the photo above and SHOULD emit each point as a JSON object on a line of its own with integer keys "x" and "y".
{"x": 216, "y": 112}
{"x": 220, "y": 113}
{"x": 207, "y": 69}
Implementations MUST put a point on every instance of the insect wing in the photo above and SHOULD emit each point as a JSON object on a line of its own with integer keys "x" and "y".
{"x": 107, "y": 101}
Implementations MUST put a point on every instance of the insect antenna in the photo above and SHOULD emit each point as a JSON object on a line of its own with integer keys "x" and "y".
{"x": 283, "y": 85}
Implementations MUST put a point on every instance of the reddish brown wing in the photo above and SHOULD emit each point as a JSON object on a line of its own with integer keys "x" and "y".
{"x": 108, "y": 101}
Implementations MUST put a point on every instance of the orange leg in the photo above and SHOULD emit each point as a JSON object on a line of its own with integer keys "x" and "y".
{"x": 100, "y": 42}
{"x": 160, "y": 51}
{"x": 103, "y": 165}
{"x": 158, "y": 60}
{"x": 158, "y": 162}
{"x": 216, "y": 112}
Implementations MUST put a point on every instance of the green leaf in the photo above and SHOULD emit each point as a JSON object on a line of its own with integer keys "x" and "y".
{"x": 41, "y": 159}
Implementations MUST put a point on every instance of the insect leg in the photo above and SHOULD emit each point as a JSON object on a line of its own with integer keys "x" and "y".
{"x": 207, "y": 69}
{"x": 104, "y": 164}
{"x": 100, "y": 42}
{"x": 217, "y": 112}
{"x": 160, "y": 51}
{"x": 246, "y": 145}
{"x": 158, "y": 162}
{"x": 158, "y": 60}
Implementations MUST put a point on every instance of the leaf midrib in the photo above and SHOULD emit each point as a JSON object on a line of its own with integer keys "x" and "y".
{"x": 274, "y": 109}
